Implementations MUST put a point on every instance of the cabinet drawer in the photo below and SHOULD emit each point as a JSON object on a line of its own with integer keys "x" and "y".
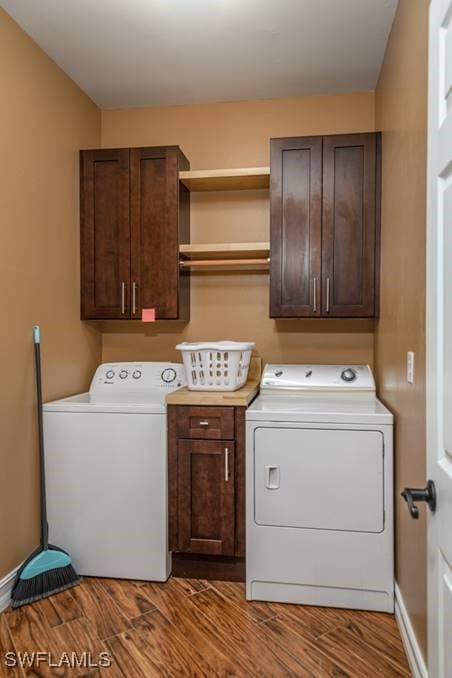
{"x": 205, "y": 423}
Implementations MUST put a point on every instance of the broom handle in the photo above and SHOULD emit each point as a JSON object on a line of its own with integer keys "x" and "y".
{"x": 42, "y": 476}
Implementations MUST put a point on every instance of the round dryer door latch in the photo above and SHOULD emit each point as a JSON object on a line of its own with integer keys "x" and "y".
{"x": 348, "y": 375}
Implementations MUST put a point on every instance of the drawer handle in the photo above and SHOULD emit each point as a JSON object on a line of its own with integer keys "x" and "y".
{"x": 226, "y": 464}
{"x": 203, "y": 423}
{"x": 272, "y": 477}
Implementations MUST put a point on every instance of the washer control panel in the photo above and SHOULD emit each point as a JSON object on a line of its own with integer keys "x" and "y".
{"x": 137, "y": 377}
{"x": 321, "y": 378}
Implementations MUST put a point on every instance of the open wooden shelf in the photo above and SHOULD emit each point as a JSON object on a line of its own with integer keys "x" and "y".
{"x": 227, "y": 250}
{"x": 225, "y": 254}
{"x": 227, "y": 179}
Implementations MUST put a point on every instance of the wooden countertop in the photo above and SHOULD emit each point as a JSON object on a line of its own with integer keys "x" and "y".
{"x": 240, "y": 398}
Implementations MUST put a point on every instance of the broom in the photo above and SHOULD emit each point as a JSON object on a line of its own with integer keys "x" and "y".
{"x": 48, "y": 569}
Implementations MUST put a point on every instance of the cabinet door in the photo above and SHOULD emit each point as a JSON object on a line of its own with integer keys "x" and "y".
{"x": 349, "y": 225}
{"x": 105, "y": 233}
{"x": 155, "y": 231}
{"x": 295, "y": 226}
{"x": 206, "y": 497}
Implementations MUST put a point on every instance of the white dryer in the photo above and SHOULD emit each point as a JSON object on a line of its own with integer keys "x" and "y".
{"x": 106, "y": 471}
{"x": 319, "y": 476}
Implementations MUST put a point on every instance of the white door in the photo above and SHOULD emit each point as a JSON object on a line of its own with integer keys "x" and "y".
{"x": 439, "y": 338}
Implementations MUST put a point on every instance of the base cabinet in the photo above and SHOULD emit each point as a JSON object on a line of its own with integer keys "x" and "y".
{"x": 206, "y": 480}
{"x": 206, "y": 497}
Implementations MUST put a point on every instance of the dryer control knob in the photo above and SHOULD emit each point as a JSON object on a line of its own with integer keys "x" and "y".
{"x": 110, "y": 374}
{"x": 136, "y": 374}
{"x": 123, "y": 374}
{"x": 348, "y": 375}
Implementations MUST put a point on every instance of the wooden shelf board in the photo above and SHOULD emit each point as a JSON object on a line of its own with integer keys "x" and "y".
{"x": 234, "y": 250}
{"x": 226, "y": 179}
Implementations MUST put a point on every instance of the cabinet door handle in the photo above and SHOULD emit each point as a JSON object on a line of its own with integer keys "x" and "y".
{"x": 134, "y": 298}
{"x": 315, "y": 296}
{"x": 123, "y": 298}
{"x": 327, "y": 295}
{"x": 226, "y": 464}
{"x": 203, "y": 423}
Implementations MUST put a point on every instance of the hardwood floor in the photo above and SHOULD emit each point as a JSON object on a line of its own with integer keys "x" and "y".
{"x": 190, "y": 627}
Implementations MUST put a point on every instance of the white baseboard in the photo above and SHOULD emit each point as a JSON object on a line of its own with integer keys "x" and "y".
{"x": 6, "y": 585}
{"x": 413, "y": 651}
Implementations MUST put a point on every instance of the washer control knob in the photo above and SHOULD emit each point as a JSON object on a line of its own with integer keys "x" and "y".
{"x": 136, "y": 374}
{"x": 110, "y": 374}
{"x": 348, "y": 375}
{"x": 278, "y": 373}
{"x": 168, "y": 375}
{"x": 123, "y": 374}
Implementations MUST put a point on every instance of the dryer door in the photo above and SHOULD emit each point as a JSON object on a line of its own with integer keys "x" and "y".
{"x": 330, "y": 479}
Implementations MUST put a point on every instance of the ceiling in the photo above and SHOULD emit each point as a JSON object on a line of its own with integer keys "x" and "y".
{"x": 125, "y": 53}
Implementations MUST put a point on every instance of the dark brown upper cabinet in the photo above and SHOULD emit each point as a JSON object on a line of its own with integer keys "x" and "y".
{"x": 134, "y": 215}
{"x": 324, "y": 226}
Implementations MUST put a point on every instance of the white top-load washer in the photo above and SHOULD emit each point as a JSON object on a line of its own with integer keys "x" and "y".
{"x": 319, "y": 476}
{"x": 106, "y": 468}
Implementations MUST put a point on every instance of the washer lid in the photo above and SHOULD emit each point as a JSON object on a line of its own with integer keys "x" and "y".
{"x": 306, "y": 408}
{"x": 349, "y": 379}
{"x": 151, "y": 402}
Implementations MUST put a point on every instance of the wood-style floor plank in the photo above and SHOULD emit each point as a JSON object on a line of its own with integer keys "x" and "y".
{"x": 190, "y": 586}
{"x": 130, "y": 597}
{"x": 60, "y": 608}
{"x": 380, "y": 639}
{"x": 170, "y": 646}
{"x": 6, "y": 646}
{"x": 314, "y": 662}
{"x": 174, "y": 605}
{"x": 160, "y": 648}
{"x": 31, "y": 634}
{"x": 130, "y": 658}
{"x": 308, "y": 621}
{"x": 235, "y": 593}
{"x": 353, "y": 655}
{"x": 256, "y": 648}
{"x": 199, "y": 628}
{"x": 100, "y": 608}
{"x": 80, "y": 634}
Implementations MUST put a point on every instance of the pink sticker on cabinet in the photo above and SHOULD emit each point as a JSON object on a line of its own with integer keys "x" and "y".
{"x": 148, "y": 315}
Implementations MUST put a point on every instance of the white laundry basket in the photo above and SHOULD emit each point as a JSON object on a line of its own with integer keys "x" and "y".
{"x": 216, "y": 365}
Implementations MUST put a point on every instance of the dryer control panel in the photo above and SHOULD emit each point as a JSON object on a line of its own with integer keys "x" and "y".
{"x": 136, "y": 377}
{"x": 318, "y": 378}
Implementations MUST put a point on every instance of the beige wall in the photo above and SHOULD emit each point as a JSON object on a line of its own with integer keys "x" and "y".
{"x": 401, "y": 99}
{"x": 235, "y": 305}
{"x": 44, "y": 119}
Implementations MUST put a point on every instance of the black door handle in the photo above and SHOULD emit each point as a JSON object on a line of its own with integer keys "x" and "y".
{"x": 427, "y": 494}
